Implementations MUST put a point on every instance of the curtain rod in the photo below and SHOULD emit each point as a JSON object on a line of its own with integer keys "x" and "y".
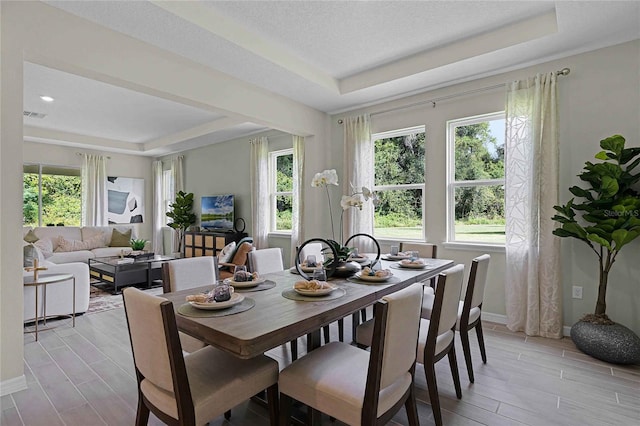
{"x": 562, "y": 72}
{"x": 82, "y": 153}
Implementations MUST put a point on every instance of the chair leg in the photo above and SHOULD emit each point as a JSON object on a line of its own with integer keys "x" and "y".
{"x": 355, "y": 320}
{"x": 341, "y": 330}
{"x": 363, "y": 314}
{"x": 142, "y": 416}
{"x": 227, "y": 414}
{"x": 286, "y": 402}
{"x": 466, "y": 348}
{"x": 411, "y": 407}
{"x": 272, "y": 400}
{"x": 294, "y": 349}
{"x": 453, "y": 363}
{"x": 326, "y": 333}
{"x": 480, "y": 335}
{"x": 432, "y": 386}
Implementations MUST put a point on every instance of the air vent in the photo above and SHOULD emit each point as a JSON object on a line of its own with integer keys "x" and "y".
{"x": 32, "y": 114}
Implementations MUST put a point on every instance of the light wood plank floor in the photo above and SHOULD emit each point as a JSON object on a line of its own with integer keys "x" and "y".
{"x": 85, "y": 376}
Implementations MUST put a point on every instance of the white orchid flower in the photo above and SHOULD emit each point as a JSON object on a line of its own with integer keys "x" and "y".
{"x": 325, "y": 178}
{"x": 366, "y": 193}
{"x": 349, "y": 201}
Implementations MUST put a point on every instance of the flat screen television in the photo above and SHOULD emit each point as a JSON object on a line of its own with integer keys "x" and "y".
{"x": 217, "y": 212}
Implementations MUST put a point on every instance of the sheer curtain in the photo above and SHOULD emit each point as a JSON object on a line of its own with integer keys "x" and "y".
{"x": 177, "y": 185}
{"x": 297, "y": 235}
{"x": 260, "y": 191}
{"x": 158, "y": 208}
{"x": 532, "y": 282}
{"x": 358, "y": 172}
{"x": 94, "y": 190}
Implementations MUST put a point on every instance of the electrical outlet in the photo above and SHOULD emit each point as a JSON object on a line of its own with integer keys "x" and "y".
{"x": 577, "y": 292}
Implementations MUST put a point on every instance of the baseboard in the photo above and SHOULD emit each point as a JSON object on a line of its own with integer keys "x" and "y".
{"x": 13, "y": 385}
{"x": 502, "y": 319}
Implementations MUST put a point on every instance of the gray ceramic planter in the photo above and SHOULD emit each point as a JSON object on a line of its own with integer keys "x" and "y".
{"x": 611, "y": 343}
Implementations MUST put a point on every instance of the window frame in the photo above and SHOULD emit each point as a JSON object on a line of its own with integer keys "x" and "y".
{"x": 273, "y": 193}
{"x": 452, "y": 184}
{"x": 404, "y": 186}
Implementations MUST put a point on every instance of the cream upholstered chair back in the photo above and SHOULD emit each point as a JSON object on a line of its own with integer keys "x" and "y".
{"x": 400, "y": 334}
{"x": 190, "y": 272}
{"x": 478, "y": 276}
{"x": 426, "y": 250}
{"x": 452, "y": 280}
{"x": 148, "y": 338}
{"x": 265, "y": 261}
{"x": 312, "y": 249}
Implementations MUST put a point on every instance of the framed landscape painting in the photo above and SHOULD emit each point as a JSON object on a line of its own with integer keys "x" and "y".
{"x": 125, "y": 200}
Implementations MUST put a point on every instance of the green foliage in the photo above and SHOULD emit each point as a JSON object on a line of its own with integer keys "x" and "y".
{"x": 181, "y": 214}
{"x": 609, "y": 211}
{"x": 61, "y": 199}
{"x": 138, "y": 244}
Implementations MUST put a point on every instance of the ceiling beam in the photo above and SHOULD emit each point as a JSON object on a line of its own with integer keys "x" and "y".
{"x": 59, "y": 137}
{"x": 194, "y": 132}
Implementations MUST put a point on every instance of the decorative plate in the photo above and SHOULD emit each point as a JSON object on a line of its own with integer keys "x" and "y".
{"x": 246, "y": 284}
{"x": 373, "y": 278}
{"x": 412, "y": 265}
{"x": 235, "y": 299}
{"x": 395, "y": 257}
{"x": 321, "y": 292}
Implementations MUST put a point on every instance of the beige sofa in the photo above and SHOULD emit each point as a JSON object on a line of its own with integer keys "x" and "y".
{"x": 100, "y": 235}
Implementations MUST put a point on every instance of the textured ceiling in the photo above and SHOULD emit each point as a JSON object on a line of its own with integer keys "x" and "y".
{"x": 329, "y": 55}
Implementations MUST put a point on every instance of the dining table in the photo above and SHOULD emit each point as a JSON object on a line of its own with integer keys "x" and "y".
{"x": 275, "y": 320}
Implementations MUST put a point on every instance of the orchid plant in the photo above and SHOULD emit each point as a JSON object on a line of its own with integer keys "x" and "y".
{"x": 356, "y": 199}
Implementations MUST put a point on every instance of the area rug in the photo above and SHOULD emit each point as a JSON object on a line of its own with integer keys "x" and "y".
{"x": 101, "y": 299}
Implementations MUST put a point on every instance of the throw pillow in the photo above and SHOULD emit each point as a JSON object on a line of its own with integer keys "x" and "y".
{"x": 65, "y": 245}
{"x": 240, "y": 257}
{"x": 45, "y": 245}
{"x": 225, "y": 254}
{"x": 29, "y": 253}
{"x": 31, "y": 237}
{"x": 120, "y": 239}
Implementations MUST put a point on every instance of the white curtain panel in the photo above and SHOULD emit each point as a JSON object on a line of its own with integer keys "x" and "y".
{"x": 297, "y": 236}
{"x": 532, "y": 283}
{"x": 260, "y": 191}
{"x": 158, "y": 208}
{"x": 177, "y": 179}
{"x": 94, "y": 190}
{"x": 358, "y": 169}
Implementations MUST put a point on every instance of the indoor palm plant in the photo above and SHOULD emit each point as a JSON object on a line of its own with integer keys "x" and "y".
{"x": 605, "y": 215}
{"x": 181, "y": 215}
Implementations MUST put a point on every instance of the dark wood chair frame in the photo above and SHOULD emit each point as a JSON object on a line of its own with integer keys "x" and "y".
{"x": 372, "y": 389}
{"x": 430, "y": 357}
{"x": 182, "y": 392}
{"x": 465, "y": 326}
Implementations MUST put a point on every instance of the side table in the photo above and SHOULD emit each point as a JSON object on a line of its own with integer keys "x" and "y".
{"x": 44, "y": 280}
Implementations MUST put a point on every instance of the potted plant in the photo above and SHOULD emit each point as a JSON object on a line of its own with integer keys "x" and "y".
{"x": 181, "y": 215}
{"x": 606, "y": 216}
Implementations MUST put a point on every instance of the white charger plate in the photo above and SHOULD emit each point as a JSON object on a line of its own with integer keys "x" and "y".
{"x": 235, "y": 299}
{"x": 373, "y": 278}
{"x": 395, "y": 257}
{"x": 321, "y": 292}
{"x": 246, "y": 284}
{"x": 412, "y": 265}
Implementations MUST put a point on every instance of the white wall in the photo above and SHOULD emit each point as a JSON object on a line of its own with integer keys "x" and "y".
{"x": 120, "y": 165}
{"x": 599, "y": 98}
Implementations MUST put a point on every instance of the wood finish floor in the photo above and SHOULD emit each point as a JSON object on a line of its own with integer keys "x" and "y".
{"x": 85, "y": 376}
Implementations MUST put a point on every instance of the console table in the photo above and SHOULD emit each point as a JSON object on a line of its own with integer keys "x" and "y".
{"x": 44, "y": 280}
{"x": 210, "y": 243}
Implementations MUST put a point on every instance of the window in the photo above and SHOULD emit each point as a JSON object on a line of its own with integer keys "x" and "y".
{"x": 399, "y": 183}
{"x": 475, "y": 197}
{"x": 51, "y": 195}
{"x": 167, "y": 194}
{"x": 281, "y": 189}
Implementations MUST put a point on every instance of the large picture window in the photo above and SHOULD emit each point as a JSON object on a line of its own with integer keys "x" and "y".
{"x": 475, "y": 198}
{"x": 399, "y": 182}
{"x": 51, "y": 195}
{"x": 281, "y": 190}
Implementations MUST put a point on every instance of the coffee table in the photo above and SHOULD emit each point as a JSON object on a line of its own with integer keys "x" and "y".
{"x": 113, "y": 270}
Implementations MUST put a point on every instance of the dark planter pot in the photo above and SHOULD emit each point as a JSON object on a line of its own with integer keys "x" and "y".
{"x": 611, "y": 343}
{"x": 346, "y": 269}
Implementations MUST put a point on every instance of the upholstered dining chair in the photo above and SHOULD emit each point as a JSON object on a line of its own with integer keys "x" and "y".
{"x": 182, "y": 274}
{"x": 425, "y": 250}
{"x": 191, "y": 389}
{"x": 265, "y": 261}
{"x": 470, "y": 310}
{"x": 359, "y": 387}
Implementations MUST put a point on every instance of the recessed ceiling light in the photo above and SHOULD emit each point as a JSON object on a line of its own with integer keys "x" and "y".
{"x": 46, "y": 98}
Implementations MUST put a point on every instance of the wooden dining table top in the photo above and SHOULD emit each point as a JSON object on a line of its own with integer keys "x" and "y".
{"x": 276, "y": 320}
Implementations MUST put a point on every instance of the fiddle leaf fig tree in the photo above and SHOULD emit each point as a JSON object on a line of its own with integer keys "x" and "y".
{"x": 181, "y": 215}
{"x": 606, "y": 213}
